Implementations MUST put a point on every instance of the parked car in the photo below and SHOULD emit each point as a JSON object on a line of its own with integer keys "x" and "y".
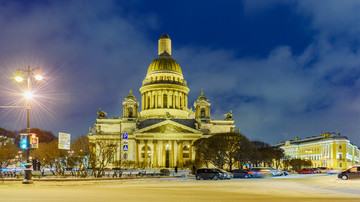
{"x": 353, "y": 172}
{"x": 282, "y": 172}
{"x": 240, "y": 173}
{"x": 317, "y": 170}
{"x": 278, "y": 172}
{"x": 212, "y": 173}
{"x": 261, "y": 172}
{"x": 331, "y": 171}
{"x": 306, "y": 171}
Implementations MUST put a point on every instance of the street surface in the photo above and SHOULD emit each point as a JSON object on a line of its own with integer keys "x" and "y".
{"x": 295, "y": 187}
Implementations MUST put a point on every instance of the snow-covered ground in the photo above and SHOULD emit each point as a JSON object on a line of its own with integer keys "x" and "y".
{"x": 285, "y": 188}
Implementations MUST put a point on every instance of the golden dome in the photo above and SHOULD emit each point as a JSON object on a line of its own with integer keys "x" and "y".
{"x": 131, "y": 96}
{"x": 202, "y": 97}
{"x": 164, "y": 62}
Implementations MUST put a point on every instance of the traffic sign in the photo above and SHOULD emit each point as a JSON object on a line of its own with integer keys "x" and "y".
{"x": 125, "y": 136}
{"x": 34, "y": 141}
{"x": 24, "y": 141}
{"x": 126, "y": 148}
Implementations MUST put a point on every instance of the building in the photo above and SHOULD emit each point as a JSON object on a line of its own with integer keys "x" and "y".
{"x": 161, "y": 135}
{"x": 330, "y": 150}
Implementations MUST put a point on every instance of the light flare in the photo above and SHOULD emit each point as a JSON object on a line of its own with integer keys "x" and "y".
{"x": 48, "y": 103}
{"x": 38, "y": 77}
{"x": 28, "y": 95}
{"x": 19, "y": 78}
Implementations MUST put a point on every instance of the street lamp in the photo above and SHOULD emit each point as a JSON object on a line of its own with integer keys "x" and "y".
{"x": 28, "y": 96}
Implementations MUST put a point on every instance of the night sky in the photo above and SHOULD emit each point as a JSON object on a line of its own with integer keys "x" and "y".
{"x": 285, "y": 68}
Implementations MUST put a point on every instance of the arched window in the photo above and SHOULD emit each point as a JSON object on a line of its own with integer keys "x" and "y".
{"x": 164, "y": 101}
{"x": 202, "y": 113}
{"x": 131, "y": 112}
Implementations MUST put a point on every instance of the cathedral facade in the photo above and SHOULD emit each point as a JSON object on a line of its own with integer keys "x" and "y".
{"x": 159, "y": 133}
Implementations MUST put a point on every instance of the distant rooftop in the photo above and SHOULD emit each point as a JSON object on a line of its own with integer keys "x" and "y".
{"x": 323, "y": 136}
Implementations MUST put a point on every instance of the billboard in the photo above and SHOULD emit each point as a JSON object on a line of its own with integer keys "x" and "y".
{"x": 64, "y": 141}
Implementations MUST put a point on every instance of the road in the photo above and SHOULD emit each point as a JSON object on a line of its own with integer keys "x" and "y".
{"x": 293, "y": 187}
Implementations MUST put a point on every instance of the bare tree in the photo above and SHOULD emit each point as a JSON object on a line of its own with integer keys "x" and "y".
{"x": 246, "y": 152}
{"x": 50, "y": 155}
{"x": 297, "y": 164}
{"x": 101, "y": 154}
{"x": 267, "y": 154}
{"x": 8, "y": 152}
{"x": 278, "y": 155}
{"x": 79, "y": 157}
{"x": 223, "y": 149}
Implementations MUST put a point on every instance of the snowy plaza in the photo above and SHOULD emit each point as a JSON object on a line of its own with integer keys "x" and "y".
{"x": 294, "y": 187}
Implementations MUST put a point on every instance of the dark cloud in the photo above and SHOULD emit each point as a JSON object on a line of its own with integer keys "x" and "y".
{"x": 89, "y": 53}
{"x": 93, "y": 53}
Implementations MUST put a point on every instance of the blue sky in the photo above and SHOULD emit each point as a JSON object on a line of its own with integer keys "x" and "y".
{"x": 285, "y": 68}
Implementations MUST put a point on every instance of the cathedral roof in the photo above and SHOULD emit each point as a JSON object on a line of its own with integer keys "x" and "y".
{"x": 164, "y": 62}
{"x": 186, "y": 122}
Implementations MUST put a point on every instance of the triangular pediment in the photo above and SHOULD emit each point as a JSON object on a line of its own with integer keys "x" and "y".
{"x": 168, "y": 126}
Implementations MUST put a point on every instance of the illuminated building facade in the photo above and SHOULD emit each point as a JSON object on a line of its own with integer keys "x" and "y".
{"x": 330, "y": 150}
{"x": 161, "y": 135}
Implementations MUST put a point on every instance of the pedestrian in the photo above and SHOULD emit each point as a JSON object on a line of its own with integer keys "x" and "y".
{"x": 193, "y": 170}
{"x": 176, "y": 169}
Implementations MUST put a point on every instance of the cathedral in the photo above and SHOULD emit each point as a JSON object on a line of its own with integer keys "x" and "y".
{"x": 159, "y": 133}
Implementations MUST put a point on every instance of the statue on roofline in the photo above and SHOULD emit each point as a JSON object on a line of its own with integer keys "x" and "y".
{"x": 101, "y": 114}
{"x": 229, "y": 116}
{"x": 168, "y": 115}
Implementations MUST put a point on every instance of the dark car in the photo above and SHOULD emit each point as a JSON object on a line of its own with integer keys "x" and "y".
{"x": 261, "y": 172}
{"x": 212, "y": 173}
{"x": 240, "y": 173}
{"x": 353, "y": 172}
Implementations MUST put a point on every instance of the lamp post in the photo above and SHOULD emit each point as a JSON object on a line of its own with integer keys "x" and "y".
{"x": 28, "y": 96}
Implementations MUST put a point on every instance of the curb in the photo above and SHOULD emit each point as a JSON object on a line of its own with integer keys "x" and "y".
{"x": 90, "y": 179}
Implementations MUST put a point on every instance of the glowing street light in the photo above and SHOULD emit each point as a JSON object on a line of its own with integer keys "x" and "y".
{"x": 38, "y": 77}
{"x": 19, "y": 78}
{"x": 28, "y": 96}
